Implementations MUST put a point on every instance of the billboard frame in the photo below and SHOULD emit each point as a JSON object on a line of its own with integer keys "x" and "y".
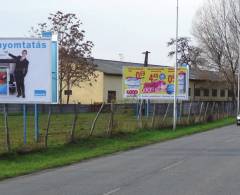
{"x": 50, "y": 69}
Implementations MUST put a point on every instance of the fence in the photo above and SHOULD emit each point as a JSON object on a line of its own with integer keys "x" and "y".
{"x": 61, "y": 124}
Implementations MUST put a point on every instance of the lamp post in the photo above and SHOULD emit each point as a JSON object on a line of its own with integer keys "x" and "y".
{"x": 175, "y": 74}
{"x": 238, "y": 68}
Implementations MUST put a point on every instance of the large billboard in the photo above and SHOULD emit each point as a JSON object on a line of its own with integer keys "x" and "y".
{"x": 155, "y": 82}
{"x": 25, "y": 70}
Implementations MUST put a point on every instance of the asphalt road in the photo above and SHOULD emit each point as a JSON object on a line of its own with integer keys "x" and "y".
{"x": 202, "y": 164}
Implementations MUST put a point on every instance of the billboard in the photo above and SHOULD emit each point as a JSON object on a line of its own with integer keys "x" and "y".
{"x": 25, "y": 70}
{"x": 155, "y": 82}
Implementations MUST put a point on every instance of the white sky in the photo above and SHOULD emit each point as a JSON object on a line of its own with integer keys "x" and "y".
{"x": 115, "y": 26}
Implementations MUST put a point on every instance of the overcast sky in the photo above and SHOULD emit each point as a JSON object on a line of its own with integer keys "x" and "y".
{"x": 126, "y": 27}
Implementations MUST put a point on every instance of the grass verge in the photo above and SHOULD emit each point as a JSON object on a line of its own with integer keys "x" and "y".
{"x": 13, "y": 165}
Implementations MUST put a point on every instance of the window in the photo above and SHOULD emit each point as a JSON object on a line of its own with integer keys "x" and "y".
{"x": 222, "y": 93}
{"x": 189, "y": 92}
{"x": 214, "y": 92}
{"x": 230, "y": 93}
{"x": 197, "y": 92}
{"x": 112, "y": 96}
{"x": 68, "y": 92}
{"x": 206, "y": 92}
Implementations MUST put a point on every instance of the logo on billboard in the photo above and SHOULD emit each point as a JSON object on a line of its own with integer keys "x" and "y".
{"x": 41, "y": 93}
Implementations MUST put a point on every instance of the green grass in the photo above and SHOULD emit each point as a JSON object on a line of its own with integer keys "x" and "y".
{"x": 14, "y": 164}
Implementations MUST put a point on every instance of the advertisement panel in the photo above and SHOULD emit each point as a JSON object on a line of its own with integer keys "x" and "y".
{"x": 25, "y": 70}
{"x": 155, "y": 82}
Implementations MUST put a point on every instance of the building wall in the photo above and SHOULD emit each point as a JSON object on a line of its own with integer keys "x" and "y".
{"x": 210, "y": 85}
{"x": 88, "y": 94}
{"x": 98, "y": 92}
{"x": 112, "y": 83}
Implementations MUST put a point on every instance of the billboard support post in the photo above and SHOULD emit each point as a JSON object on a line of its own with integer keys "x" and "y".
{"x": 36, "y": 122}
{"x": 24, "y": 124}
{"x": 146, "y": 103}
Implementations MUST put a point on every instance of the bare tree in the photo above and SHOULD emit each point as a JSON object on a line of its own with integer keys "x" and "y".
{"x": 187, "y": 52}
{"x": 75, "y": 61}
{"x": 216, "y": 28}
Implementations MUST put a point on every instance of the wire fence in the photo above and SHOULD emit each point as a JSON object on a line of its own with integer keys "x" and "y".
{"x": 61, "y": 124}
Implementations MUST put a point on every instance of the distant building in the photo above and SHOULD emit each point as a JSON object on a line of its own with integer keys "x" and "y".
{"x": 204, "y": 85}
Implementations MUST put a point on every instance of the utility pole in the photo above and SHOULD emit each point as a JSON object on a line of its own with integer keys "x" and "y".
{"x": 175, "y": 75}
{"x": 146, "y": 106}
{"x": 238, "y": 70}
{"x": 146, "y": 53}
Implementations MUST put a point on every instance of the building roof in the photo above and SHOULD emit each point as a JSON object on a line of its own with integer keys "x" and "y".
{"x": 115, "y": 68}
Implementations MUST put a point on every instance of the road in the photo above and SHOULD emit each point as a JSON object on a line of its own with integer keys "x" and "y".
{"x": 202, "y": 164}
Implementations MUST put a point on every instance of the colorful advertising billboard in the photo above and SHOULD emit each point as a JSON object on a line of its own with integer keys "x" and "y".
{"x": 155, "y": 82}
{"x": 25, "y": 70}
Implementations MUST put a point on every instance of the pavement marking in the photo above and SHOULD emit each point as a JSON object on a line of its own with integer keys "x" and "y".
{"x": 173, "y": 165}
{"x": 231, "y": 140}
{"x": 112, "y": 191}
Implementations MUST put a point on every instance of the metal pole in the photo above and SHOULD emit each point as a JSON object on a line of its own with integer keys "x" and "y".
{"x": 238, "y": 70}
{"x": 175, "y": 77}
{"x": 36, "y": 122}
{"x": 24, "y": 124}
{"x": 146, "y": 107}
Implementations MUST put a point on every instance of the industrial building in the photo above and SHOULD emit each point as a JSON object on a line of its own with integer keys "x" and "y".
{"x": 203, "y": 85}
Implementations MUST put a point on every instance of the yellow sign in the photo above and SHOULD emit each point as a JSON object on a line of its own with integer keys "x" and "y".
{"x": 155, "y": 82}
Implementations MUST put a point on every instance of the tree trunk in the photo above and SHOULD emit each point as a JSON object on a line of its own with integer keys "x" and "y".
{"x": 68, "y": 98}
{"x": 60, "y": 92}
{"x": 68, "y": 94}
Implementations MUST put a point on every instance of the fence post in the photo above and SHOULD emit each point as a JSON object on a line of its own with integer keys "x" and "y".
{"x": 165, "y": 115}
{"x": 218, "y": 111}
{"x": 205, "y": 114}
{"x": 72, "y": 133}
{"x": 110, "y": 124}
{"x": 180, "y": 112}
{"x": 7, "y": 138}
{"x": 153, "y": 117}
{"x": 228, "y": 109}
{"x": 24, "y": 124}
{"x": 200, "y": 113}
{"x": 212, "y": 110}
{"x": 189, "y": 112}
{"x": 48, "y": 126}
{"x": 36, "y": 122}
{"x": 95, "y": 120}
{"x": 140, "y": 122}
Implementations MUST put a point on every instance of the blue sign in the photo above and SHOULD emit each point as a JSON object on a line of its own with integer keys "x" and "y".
{"x": 47, "y": 34}
{"x": 41, "y": 93}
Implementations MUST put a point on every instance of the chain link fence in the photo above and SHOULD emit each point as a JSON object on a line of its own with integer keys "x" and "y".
{"x": 61, "y": 124}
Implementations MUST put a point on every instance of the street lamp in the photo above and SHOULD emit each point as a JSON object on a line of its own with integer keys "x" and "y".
{"x": 175, "y": 75}
{"x": 238, "y": 70}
